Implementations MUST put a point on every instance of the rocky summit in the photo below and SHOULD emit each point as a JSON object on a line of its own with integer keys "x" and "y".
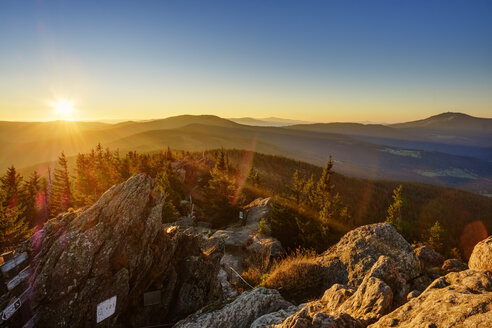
{"x": 118, "y": 264}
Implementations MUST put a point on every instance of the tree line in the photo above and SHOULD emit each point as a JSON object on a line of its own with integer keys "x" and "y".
{"x": 308, "y": 210}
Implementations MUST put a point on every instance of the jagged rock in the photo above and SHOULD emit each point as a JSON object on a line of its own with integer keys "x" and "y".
{"x": 352, "y": 258}
{"x": 274, "y": 318}
{"x": 305, "y": 318}
{"x": 360, "y": 248}
{"x": 381, "y": 290}
{"x": 430, "y": 259}
{"x": 481, "y": 257}
{"x": 240, "y": 313}
{"x": 453, "y": 265}
{"x": 378, "y": 265}
{"x": 335, "y": 296}
{"x": 460, "y": 299}
{"x": 372, "y": 299}
{"x": 120, "y": 247}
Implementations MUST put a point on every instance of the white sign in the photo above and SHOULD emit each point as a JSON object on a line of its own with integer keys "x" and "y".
{"x": 106, "y": 309}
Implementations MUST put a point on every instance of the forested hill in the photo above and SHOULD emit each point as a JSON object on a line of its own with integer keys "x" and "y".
{"x": 435, "y": 150}
{"x": 312, "y": 207}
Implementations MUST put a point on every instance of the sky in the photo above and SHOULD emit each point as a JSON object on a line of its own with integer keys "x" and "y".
{"x": 379, "y": 61}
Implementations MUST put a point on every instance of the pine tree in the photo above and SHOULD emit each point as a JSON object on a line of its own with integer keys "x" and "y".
{"x": 324, "y": 186}
{"x": 309, "y": 193}
{"x": 297, "y": 186}
{"x": 13, "y": 226}
{"x": 330, "y": 205}
{"x": 395, "y": 209}
{"x": 61, "y": 193}
{"x": 169, "y": 154}
{"x": 168, "y": 185}
{"x": 221, "y": 192}
{"x": 436, "y": 237}
{"x": 10, "y": 186}
{"x": 33, "y": 199}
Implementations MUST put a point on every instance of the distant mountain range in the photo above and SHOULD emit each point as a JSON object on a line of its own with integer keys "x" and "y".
{"x": 268, "y": 121}
{"x": 450, "y": 149}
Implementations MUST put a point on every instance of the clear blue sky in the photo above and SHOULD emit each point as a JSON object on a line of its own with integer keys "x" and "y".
{"x": 313, "y": 60}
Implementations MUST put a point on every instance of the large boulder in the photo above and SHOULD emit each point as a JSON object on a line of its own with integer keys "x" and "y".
{"x": 378, "y": 267}
{"x": 481, "y": 257}
{"x": 240, "y": 313}
{"x": 119, "y": 249}
{"x": 361, "y": 248}
{"x": 375, "y": 297}
{"x": 460, "y": 299}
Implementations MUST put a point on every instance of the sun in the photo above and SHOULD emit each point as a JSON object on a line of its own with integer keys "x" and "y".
{"x": 64, "y": 108}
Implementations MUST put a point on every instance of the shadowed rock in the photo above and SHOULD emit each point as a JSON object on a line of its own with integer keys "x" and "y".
{"x": 119, "y": 247}
{"x": 240, "y": 313}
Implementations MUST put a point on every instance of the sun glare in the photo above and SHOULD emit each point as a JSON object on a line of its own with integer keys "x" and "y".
{"x": 64, "y": 109}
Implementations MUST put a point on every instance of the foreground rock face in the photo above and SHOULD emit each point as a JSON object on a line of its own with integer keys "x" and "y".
{"x": 119, "y": 247}
{"x": 240, "y": 313}
{"x": 460, "y": 299}
{"x": 376, "y": 268}
{"x": 481, "y": 257}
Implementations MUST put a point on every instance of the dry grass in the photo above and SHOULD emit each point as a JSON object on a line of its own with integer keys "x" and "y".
{"x": 298, "y": 277}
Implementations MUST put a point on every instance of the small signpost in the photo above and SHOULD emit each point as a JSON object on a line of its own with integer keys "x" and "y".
{"x": 241, "y": 215}
{"x": 14, "y": 282}
{"x": 11, "y": 264}
{"x": 152, "y": 298}
{"x": 14, "y": 306}
{"x": 106, "y": 309}
{"x": 15, "y": 272}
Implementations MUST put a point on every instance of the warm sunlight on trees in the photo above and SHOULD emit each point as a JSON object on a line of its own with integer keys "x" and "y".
{"x": 61, "y": 198}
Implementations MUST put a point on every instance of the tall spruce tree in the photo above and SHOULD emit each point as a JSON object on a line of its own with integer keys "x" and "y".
{"x": 10, "y": 186}
{"x": 297, "y": 186}
{"x": 14, "y": 227}
{"x": 330, "y": 203}
{"x": 435, "y": 237}
{"x": 221, "y": 192}
{"x": 34, "y": 200}
{"x": 395, "y": 209}
{"x": 61, "y": 198}
{"x": 324, "y": 187}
